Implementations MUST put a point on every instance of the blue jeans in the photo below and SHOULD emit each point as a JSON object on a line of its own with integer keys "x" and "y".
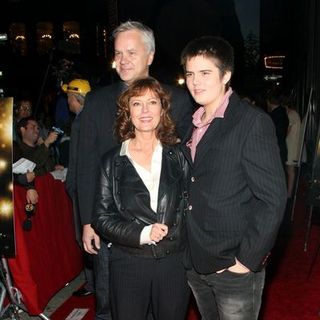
{"x": 102, "y": 287}
{"x": 227, "y": 295}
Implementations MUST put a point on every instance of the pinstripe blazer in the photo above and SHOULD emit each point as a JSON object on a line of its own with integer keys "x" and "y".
{"x": 237, "y": 190}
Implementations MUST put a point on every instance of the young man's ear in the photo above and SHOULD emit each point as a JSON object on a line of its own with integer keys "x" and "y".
{"x": 226, "y": 77}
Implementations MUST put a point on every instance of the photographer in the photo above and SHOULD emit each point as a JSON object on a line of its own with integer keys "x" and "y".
{"x": 32, "y": 149}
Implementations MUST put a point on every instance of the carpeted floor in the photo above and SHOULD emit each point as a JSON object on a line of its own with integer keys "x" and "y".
{"x": 292, "y": 289}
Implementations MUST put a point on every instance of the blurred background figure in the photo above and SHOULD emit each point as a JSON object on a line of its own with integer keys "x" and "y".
{"x": 22, "y": 109}
{"x": 292, "y": 141}
{"x": 28, "y": 147}
{"x": 24, "y": 179}
{"x": 279, "y": 116}
{"x": 76, "y": 91}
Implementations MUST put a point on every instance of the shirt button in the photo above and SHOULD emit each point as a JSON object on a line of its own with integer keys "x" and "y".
{"x": 193, "y": 179}
{"x": 190, "y": 207}
{"x": 168, "y": 252}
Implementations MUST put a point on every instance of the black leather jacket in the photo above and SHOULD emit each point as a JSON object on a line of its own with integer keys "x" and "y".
{"x": 123, "y": 203}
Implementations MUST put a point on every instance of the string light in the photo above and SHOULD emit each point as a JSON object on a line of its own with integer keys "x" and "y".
{"x": 5, "y": 208}
{"x": 3, "y": 165}
{"x": 181, "y": 81}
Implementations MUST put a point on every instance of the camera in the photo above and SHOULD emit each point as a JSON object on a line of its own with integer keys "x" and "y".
{"x": 57, "y": 130}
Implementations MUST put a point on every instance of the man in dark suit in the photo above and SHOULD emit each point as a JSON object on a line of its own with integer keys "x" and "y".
{"x": 134, "y": 47}
{"x": 237, "y": 187}
{"x": 76, "y": 91}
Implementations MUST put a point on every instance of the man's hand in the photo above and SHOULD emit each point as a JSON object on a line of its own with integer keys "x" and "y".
{"x": 238, "y": 268}
{"x": 158, "y": 232}
{"x": 51, "y": 138}
{"x": 30, "y": 176}
{"x": 91, "y": 241}
{"x": 32, "y": 196}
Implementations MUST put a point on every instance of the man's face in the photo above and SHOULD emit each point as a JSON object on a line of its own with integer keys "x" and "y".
{"x": 131, "y": 56}
{"x": 24, "y": 110}
{"x": 74, "y": 104}
{"x": 205, "y": 82}
{"x": 30, "y": 133}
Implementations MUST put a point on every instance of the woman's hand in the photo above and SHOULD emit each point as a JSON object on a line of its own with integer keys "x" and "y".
{"x": 158, "y": 232}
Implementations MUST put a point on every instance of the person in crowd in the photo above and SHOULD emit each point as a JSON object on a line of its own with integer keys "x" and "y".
{"x": 279, "y": 116}
{"x": 27, "y": 179}
{"x": 28, "y": 132}
{"x": 76, "y": 91}
{"x": 134, "y": 49}
{"x": 293, "y": 143}
{"x": 22, "y": 109}
{"x": 237, "y": 192}
{"x": 140, "y": 208}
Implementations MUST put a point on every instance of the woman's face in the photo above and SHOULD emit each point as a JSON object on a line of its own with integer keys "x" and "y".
{"x": 145, "y": 112}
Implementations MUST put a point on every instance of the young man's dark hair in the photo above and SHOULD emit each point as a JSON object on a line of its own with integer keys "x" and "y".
{"x": 210, "y": 47}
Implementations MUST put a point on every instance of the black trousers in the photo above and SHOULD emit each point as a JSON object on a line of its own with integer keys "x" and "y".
{"x": 138, "y": 284}
{"x": 101, "y": 277}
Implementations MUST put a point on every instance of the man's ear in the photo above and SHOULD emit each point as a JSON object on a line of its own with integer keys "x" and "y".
{"x": 226, "y": 77}
{"x": 150, "y": 58}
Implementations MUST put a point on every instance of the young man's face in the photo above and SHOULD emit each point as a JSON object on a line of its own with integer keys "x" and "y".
{"x": 204, "y": 81}
{"x": 131, "y": 56}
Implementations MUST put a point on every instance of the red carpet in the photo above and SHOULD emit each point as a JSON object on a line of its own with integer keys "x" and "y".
{"x": 289, "y": 294}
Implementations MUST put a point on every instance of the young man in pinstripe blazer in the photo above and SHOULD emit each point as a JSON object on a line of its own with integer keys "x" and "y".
{"x": 237, "y": 188}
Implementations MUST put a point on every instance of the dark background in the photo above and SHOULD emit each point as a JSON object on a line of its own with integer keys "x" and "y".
{"x": 286, "y": 27}
{"x": 174, "y": 22}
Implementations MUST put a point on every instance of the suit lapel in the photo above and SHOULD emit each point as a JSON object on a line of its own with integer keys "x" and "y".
{"x": 184, "y": 148}
{"x": 218, "y": 128}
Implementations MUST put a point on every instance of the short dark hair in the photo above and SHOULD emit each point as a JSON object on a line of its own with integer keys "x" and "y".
{"x": 213, "y": 47}
{"x": 124, "y": 129}
{"x": 23, "y": 124}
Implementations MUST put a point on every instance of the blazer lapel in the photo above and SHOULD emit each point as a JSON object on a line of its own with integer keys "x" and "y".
{"x": 209, "y": 138}
{"x": 218, "y": 128}
{"x": 186, "y": 150}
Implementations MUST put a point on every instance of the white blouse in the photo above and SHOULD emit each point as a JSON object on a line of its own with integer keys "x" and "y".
{"x": 151, "y": 179}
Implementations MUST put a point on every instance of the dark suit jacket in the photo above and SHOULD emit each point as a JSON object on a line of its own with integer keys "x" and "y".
{"x": 71, "y": 179}
{"x": 96, "y": 136}
{"x": 237, "y": 190}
